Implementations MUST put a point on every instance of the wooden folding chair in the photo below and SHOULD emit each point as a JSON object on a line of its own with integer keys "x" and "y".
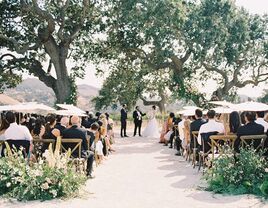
{"x": 75, "y": 145}
{"x": 39, "y": 144}
{"x": 219, "y": 142}
{"x": 195, "y": 150}
{"x": 176, "y": 129}
{"x": 257, "y": 141}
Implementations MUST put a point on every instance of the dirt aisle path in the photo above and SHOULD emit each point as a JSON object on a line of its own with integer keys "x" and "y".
{"x": 144, "y": 174}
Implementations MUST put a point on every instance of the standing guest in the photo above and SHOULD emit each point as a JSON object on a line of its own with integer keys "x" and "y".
{"x": 4, "y": 126}
{"x": 137, "y": 115}
{"x": 234, "y": 122}
{"x": 260, "y": 120}
{"x": 64, "y": 123}
{"x": 124, "y": 121}
{"x": 211, "y": 126}
{"x": 50, "y": 131}
{"x": 250, "y": 128}
{"x": 76, "y": 132}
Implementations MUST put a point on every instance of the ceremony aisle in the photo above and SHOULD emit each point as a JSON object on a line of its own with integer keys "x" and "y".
{"x": 144, "y": 174}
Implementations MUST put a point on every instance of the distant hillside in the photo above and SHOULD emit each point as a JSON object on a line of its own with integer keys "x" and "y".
{"x": 33, "y": 90}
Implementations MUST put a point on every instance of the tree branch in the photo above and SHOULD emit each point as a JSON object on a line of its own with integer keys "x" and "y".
{"x": 215, "y": 69}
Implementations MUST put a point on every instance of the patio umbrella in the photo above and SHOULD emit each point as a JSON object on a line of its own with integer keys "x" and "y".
{"x": 251, "y": 106}
{"x": 190, "y": 107}
{"x": 30, "y": 107}
{"x": 70, "y": 108}
{"x": 221, "y": 103}
{"x": 223, "y": 110}
{"x": 69, "y": 113}
{"x": 189, "y": 112}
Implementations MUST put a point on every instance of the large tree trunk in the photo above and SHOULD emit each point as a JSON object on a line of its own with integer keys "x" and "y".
{"x": 58, "y": 55}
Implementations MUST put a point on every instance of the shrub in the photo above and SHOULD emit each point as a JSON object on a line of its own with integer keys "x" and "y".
{"x": 244, "y": 174}
{"x": 50, "y": 177}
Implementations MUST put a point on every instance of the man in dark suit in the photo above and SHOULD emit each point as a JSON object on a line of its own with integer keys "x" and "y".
{"x": 137, "y": 115}
{"x": 195, "y": 126}
{"x": 76, "y": 132}
{"x": 124, "y": 121}
{"x": 250, "y": 128}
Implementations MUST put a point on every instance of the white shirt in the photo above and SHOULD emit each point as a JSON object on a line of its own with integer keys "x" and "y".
{"x": 139, "y": 115}
{"x": 181, "y": 131}
{"x": 18, "y": 132}
{"x": 262, "y": 122}
{"x": 210, "y": 126}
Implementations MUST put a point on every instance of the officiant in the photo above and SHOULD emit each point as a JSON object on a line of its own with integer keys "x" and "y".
{"x": 137, "y": 116}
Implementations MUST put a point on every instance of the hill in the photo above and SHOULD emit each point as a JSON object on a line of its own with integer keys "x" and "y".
{"x": 33, "y": 90}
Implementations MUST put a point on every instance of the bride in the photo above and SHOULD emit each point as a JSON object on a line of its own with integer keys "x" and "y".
{"x": 152, "y": 129}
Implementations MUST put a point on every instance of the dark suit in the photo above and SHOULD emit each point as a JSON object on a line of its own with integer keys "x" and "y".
{"x": 251, "y": 128}
{"x": 76, "y": 132}
{"x": 195, "y": 126}
{"x": 123, "y": 122}
{"x": 138, "y": 121}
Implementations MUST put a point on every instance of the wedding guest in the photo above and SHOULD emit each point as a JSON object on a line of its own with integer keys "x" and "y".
{"x": 92, "y": 131}
{"x": 250, "y": 128}
{"x": 110, "y": 132}
{"x": 211, "y": 126}
{"x": 123, "y": 119}
{"x": 104, "y": 127}
{"x": 50, "y": 131}
{"x": 195, "y": 125}
{"x": 15, "y": 131}
{"x": 186, "y": 130}
{"x": 234, "y": 122}
{"x": 169, "y": 129}
{"x": 4, "y": 126}
{"x": 260, "y": 120}
{"x": 62, "y": 125}
{"x": 39, "y": 128}
{"x": 98, "y": 146}
{"x": 75, "y": 132}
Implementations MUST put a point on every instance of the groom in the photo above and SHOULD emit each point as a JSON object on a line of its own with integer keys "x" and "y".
{"x": 137, "y": 115}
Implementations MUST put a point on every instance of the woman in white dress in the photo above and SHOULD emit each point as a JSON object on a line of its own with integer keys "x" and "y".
{"x": 152, "y": 129}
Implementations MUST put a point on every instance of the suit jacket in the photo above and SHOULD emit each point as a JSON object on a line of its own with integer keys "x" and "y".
{"x": 251, "y": 128}
{"x": 123, "y": 114}
{"x": 76, "y": 133}
{"x": 195, "y": 126}
{"x": 136, "y": 116}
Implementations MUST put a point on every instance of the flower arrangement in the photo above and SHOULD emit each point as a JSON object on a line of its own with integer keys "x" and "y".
{"x": 245, "y": 173}
{"x": 52, "y": 176}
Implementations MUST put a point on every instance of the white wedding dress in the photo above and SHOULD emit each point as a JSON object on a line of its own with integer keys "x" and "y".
{"x": 151, "y": 129}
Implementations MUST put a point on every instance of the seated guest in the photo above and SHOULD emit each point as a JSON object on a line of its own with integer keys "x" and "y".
{"x": 195, "y": 125}
{"x": 260, "y": 120}
{"x": 92, "y": 131}
{"x": 250, "y": 128}
{"x": 98, "y": 146}
{"x": 211, "y": 126}
{"x": 4, "y": 126}
{"x": 76, "y": 132}
{"x": 104, "y": 128}
{"x": 234, "y": 122}
{"x": 17, "y": 135}
{"x": 39, "y": 128}
{"x": 168, "y": 129}
{"x": 110, "y": 132}
{"x": 64, "y": 123}
{"x": 50, "y": 131}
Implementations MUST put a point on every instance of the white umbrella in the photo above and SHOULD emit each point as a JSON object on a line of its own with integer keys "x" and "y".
{"x": 251, "y": 106}
{"x": 223, "y": 110}
{"x": 69, "y": 113}
{"x": 189, "y": 112}
{"x": 191, "y": 107}
{"x": 222, "y": 103}
{"x": 70, "y": 107}
{"x": 30, "y": 107}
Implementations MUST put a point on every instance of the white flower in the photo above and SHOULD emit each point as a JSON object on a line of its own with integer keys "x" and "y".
{"x": 266, "y": 170}
{"x": 45, "y": 186}
{"x": 48, "y": 180}
{"x": 54, "y": 193}
{"x": 8, "y": 184}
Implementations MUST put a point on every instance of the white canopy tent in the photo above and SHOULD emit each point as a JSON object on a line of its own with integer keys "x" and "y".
{"x": 222, "y": 103}
{"x": 223, "y": 110}
{"x": 30, "y": 107}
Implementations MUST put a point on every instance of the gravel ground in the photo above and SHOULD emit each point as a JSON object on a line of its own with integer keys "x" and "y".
{"x": 144, "y": 174}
